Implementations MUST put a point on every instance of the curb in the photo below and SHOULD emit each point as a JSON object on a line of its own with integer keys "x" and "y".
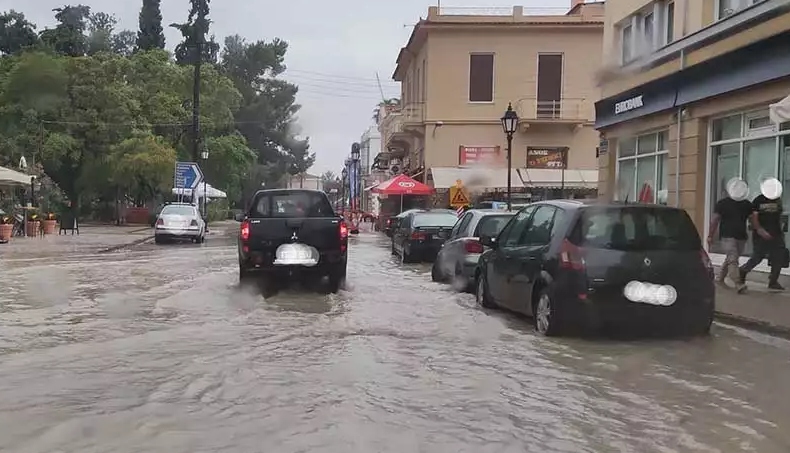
{"x": 115, "y": 248}
{"x": 753, "y": 324}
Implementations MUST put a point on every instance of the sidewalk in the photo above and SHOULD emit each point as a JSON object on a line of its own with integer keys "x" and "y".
{"x": 759, "y": 308}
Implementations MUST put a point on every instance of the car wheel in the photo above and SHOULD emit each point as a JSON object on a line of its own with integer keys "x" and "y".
{"x": 436, "y": 273}
{"x": 158, "y": 240}
{"x": 244, "y": 274}
{"x": 544, "y": 311}
{"x": 701, "y": 324}
{"x": 337, "y": 277}
{"x": 482, "y": 297}
{"x": 392, "y": 248}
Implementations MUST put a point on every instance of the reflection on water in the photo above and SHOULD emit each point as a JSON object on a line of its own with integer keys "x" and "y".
{"x": 163, "y": 351}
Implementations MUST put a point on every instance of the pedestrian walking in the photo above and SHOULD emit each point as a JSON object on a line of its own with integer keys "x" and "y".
{"x": 767, "y": 236}
{"x": 730, "y": 218}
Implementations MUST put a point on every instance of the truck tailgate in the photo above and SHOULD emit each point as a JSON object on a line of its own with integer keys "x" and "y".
{"x": 323, "y": 233}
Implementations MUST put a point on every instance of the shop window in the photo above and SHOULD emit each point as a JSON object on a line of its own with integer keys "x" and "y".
{"x": 642, "y": 168}
{"x": 726, "y": 8}
{"x": 750, "y": 147}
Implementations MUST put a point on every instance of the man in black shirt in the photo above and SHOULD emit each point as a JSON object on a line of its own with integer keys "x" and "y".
{"x": 767, "y": 238}
{"x": 729, "y": 218}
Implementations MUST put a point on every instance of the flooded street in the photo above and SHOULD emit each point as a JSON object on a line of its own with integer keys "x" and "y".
{"x": 157, "y": 349}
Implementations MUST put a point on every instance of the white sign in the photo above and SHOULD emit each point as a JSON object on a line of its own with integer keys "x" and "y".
{"x": 628, "y": 105}
{"x": 649, "y": 293}
{"x": 406, "y": 184}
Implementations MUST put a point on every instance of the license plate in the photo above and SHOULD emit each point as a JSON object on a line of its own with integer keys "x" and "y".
{"x": 295, "y": 254}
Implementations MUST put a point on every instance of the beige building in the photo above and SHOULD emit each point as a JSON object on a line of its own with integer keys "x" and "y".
{"x": 459, "y": 72}
{"x": 688, "y": 87}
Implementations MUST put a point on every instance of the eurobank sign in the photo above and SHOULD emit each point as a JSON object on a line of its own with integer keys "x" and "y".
{"x": 629, "y": 104}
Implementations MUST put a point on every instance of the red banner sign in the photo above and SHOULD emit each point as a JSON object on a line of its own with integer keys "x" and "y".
{"x": 475, "y": 155}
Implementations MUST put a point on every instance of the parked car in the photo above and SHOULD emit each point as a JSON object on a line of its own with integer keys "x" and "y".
{"x": 292, "y": 233}
{"x": 457, "y": 259}
{"x": 392, "y": 222}
{"x": 420, "y": 234}
{"x": 575, "y": 265}
{"x": 179, "y": 221}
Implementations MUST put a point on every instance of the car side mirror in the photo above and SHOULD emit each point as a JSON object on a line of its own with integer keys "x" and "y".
{"x": 488, "y": 241}
{"x": 239, "y": 217}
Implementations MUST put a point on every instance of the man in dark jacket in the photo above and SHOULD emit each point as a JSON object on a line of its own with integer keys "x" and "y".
{"x": 767, "y": 237}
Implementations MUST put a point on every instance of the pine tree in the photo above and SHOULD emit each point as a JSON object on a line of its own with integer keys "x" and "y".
{"x": 151, "y": 34}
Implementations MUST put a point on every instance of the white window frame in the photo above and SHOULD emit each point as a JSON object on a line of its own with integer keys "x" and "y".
{"x": 740, "y": 5}
{"x": 636, "y": 157}
{"x": 746, "y": 136}
{"x": 630, "y": 41}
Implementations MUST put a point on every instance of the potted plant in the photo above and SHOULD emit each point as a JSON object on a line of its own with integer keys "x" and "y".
{"x": 6, "y": 227}
{"x": 33, "y": 224}
{"x": 50, "y": 223}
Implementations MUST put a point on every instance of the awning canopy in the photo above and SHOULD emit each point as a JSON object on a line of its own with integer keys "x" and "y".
{"x": 402, "y": 185}
{"x": 554, "y": 179}
{"x": 211, "y": 191}
{"x": 780, "y": 112}
{"x": 10, "y": 177}
{"x": 474, "y": 177}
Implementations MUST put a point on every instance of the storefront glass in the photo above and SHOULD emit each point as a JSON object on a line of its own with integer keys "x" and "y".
{"x": 748, "y": 146}
{"x": 642, "y": 163}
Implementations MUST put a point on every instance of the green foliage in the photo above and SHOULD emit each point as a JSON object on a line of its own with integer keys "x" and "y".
{"x": 106, "y": 114}
{"x": 151, "y": 34}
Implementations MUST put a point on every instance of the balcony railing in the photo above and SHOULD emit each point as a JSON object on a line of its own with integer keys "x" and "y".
{"x": 561, "y": 110}
{"x": 413, "y": 113}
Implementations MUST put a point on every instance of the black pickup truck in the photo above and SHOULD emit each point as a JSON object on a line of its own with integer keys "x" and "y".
{"x": 293, "y": 233}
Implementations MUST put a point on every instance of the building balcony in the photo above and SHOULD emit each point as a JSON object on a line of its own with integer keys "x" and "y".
{"x": 399, "y": 129}
{"x": 566, "y": 111}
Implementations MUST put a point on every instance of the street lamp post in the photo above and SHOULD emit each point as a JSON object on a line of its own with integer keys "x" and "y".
{"x": 344, "y": 173}
{"x": 509, "y": 125}
{"x": 204, "y": 156}
{"x": 355, "y": 192}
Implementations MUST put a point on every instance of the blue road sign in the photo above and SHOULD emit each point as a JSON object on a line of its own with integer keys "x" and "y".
{"x": 187, "y": 175}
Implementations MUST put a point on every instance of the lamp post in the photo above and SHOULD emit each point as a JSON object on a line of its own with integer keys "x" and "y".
{"x": 204, "y": 156}
{"x": 344, "y": 173}
{"x": 509, "y": 125}
{"x": 355, "y": 152}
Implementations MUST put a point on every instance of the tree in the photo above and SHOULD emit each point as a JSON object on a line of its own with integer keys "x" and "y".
{"x": 68, "y": 37}
{"x": 194, "y": 32}
{"x": 101, "y": 27}
{"x": 124, "y": 43}
{"x": 151, "y": 34}
{"x": 16, "y": 33}
{"x": 142, "y": 165}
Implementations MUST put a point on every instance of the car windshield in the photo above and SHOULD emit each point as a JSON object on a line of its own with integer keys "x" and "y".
{"x": 292, "y": 204}
{"x": 491, "y": 225}
{"x": 178, "y": 210}
{"x": 637, "y": 228}
{"x": 435, "y": 219}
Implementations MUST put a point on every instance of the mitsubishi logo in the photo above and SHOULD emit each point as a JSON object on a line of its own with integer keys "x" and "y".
{"x": 647, "y": 262}
{"x": 294, "y": 237}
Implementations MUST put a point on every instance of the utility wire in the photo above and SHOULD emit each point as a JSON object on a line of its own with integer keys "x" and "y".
{"x": 327, "y": 74}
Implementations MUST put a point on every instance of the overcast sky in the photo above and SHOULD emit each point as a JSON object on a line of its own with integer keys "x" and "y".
{"x": 336, "y": 50}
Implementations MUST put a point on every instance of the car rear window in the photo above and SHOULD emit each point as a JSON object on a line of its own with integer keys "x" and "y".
{"x": 292, "y": 204}
{"x": 637, "y": 228}
{"x": 491, "y": 225}
{"x": 435, "y": 219}
{"x": 178, "y": 210}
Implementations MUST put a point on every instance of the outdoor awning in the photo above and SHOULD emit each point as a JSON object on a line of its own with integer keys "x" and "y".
{"x": 554, "y": 179}
{"x": 474, "y": 177}
{"x": 211, "y": 191}
{"x": 10, "y": 177}
{"x": 780, "y": 112}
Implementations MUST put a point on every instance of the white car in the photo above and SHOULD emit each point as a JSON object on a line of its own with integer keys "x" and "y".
{"x": 178, "y": 222}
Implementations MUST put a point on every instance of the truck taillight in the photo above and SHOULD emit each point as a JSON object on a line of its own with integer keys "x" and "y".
{"x": 343, "y": 230}
{"x": 571, "y": 256}
{"x": 245, "y": 230}
{"x": 473, "y": 246}
{"x": 417, "y": 236}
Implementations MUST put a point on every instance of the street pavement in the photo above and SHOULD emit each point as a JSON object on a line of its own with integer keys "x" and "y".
{"x": 158, "y": 349}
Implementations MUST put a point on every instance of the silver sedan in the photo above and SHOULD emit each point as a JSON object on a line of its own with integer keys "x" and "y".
{"x": 457, "y": 259}
{"x": 179, "y": 221}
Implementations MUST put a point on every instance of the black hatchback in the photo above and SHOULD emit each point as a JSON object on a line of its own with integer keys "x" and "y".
{"x": 419, "y": 235}
{"x": 574, "y": 266}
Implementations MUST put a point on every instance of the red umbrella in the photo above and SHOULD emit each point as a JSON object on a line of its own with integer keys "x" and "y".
{"x": 403, "y": 185}
{"x": 646, "y": 194}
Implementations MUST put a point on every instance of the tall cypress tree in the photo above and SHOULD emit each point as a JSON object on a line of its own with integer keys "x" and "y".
{"x": 151, "y": 34}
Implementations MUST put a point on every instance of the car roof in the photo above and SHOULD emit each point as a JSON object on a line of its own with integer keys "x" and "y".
{"x": 590, "y": 203}
{"x": 487, "y": 212}
{"x": 420, "y": 210}
{"x": 289, "y": 190}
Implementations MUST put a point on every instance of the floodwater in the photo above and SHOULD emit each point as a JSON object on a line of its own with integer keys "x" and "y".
{"x": 157, "y": 349}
